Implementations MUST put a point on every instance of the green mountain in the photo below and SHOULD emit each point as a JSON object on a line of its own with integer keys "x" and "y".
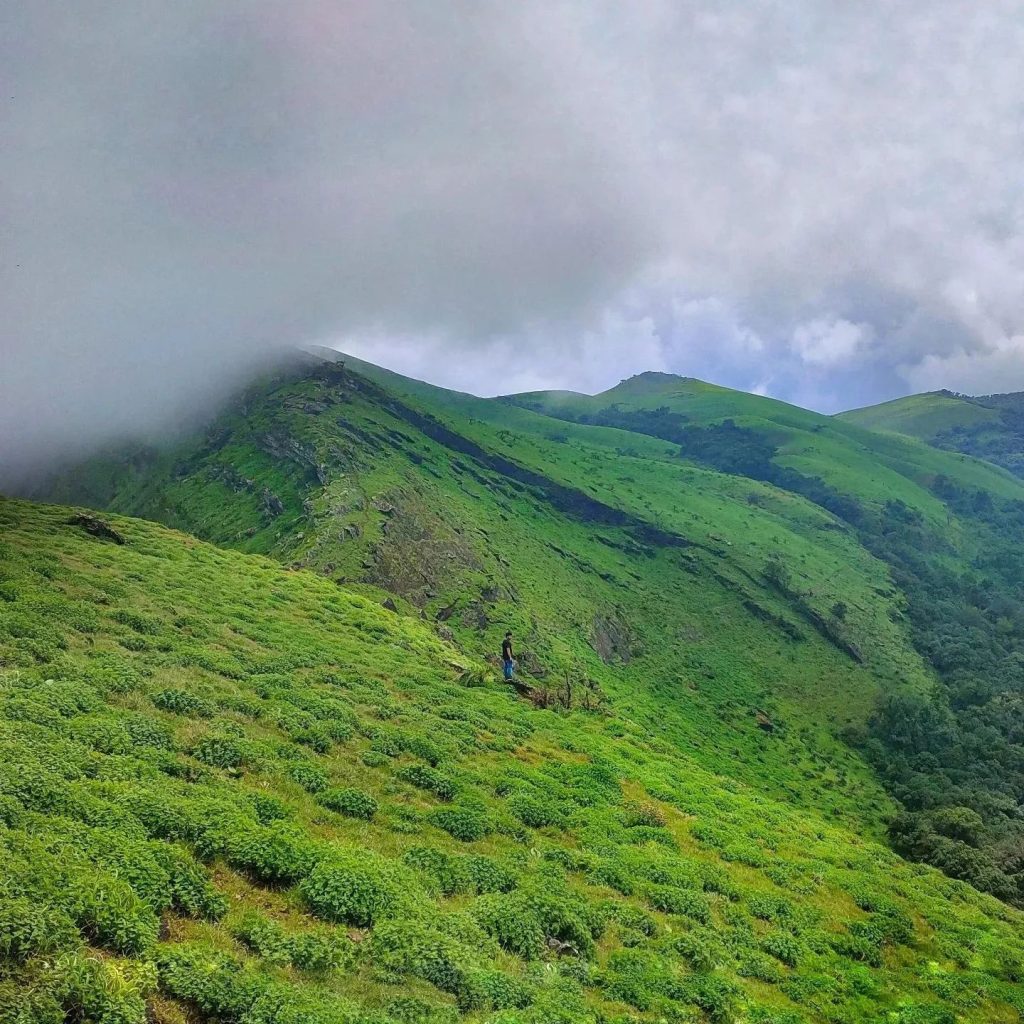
{"x": 706, "y": 557}
{"x": 989, "y": 427}
{"x": 755, "y": 646}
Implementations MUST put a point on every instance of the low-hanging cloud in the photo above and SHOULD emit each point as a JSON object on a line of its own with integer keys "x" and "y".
{"x": 816, "y": 200}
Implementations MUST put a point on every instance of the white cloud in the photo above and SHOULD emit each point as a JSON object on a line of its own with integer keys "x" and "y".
{"x": 574, "y": 190}
{"x": 831, "y": 343}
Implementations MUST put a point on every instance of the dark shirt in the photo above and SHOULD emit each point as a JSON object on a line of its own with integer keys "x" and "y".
{"x": 506, "y": 650}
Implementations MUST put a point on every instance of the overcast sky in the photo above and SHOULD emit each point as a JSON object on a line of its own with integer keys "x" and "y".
{"x": 820, "y": 200}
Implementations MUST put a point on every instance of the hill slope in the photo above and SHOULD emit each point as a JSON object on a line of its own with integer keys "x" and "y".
{"x": 631, "y": 569}
{"x": 988, "y": 427}
{"x": 710, "y": 560}
{"x": 234, "y": 792}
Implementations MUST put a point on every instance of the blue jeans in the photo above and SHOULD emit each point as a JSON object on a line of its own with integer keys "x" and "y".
{"x": 509, "y": 667}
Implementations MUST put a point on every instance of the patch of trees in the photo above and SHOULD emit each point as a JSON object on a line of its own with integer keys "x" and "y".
{"x": 1001, "y": 442}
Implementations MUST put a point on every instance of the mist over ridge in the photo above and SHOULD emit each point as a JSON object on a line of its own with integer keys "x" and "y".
{"x": 815, "y": 203}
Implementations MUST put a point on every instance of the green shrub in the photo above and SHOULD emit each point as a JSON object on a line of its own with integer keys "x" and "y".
{"x": 524, "y": 920}
{"x": 889, "y": 926}
{"x": 630, "y": 917}
{"x": 615, "y": 875}
{"x": 464, "y": 823}
{"x": 770, "y": 908}
{"x": 488, "y": 875}
{"x": 181, "y": 702}
{"x": 263, "y": 936}
{"x": 318, "y": 951}
{"x": 717, "y": 879}
{"x": 752, "y": 963}
{"x": 219, "y": 752}
{"x": 310, "y": 777}
{"x": 571, "y": 860}
{"x": 643, "y": 814}
{"x": 28, "y": 928}
{"x": 314, "y": 951}
{"x": 783, "y": 947}
{"x": 291, "y": 1004}
{"x": 112, "y": 917}
{"x": 353, "y": 803}
{"x": 316, "y": 737}
{"x": 90, "y": 989}
{"x": 502, "y": 991}
{"x": 191, "y": 890}
{"x": 923, "y": 1013}
{"x": 212, "y": 981}
{"x": 700, "y": 950}
{"x": 103, "y": 733}
{"x": 146, "y": 733}
{"x": 716, "y": 996}
{"x": 672, "y": 900}
{"x": 858, "y": 948}
{"x": 435, "y": 782}
{"x": 412, "y": 1010}
{"x": 450, "y": 873}
{"x": 418, "y": 949}
{"x": 515, "y": 926}
{"x": 278, "y": 852}
{"x": 357, "y": 887}
{"x": 536, "y": 812}
{"x": 638, "y": 835}
{"x": 269, "y": 808}
{"x": 636, "y": 977}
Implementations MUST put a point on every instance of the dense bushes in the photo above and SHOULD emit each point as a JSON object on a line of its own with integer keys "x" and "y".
{"x": 525, "y": 922}
{"x": 958, "y": 752}
{"x": 467, "y": 823}
{"x": 460, "y": 873}
{"x": 278, "y": 852}
{"x": 357, "y": 887}
{"x": 353, "y": 803}
{"x": 315, "y": 951}
{"x": 961, "y": 746}
{"x": 429, "y": 779}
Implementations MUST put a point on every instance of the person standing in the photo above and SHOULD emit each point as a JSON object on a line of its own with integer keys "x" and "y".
{"x": 507, "y": 657}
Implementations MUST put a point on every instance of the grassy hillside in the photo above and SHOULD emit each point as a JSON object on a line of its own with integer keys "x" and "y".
{"x": 609, "y": 558}
{"x": 989, "y": 427}
{"x": 845, "y": 456}
{"x": 950, "y": 530}
{"x": 717, "y": 563}
{"x": 235, "y": 792}
{"x": 922, "y": 416}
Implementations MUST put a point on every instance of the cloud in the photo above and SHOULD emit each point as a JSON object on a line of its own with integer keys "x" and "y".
{"x": 817, "y": 199}
{"x": 831, "y": 343}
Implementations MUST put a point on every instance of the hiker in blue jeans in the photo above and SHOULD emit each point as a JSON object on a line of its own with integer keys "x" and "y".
{"x": 507, "y": 658}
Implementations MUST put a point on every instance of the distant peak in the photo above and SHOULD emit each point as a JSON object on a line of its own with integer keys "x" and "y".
{"x": 654, "y": 377}
{"x": 652, "y": 382}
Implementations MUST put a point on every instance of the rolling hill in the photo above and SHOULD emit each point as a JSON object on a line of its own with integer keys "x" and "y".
{"x": 788, "y": 610}
{"x": 609, "y": 558}
{"x": 988, "y": 427}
